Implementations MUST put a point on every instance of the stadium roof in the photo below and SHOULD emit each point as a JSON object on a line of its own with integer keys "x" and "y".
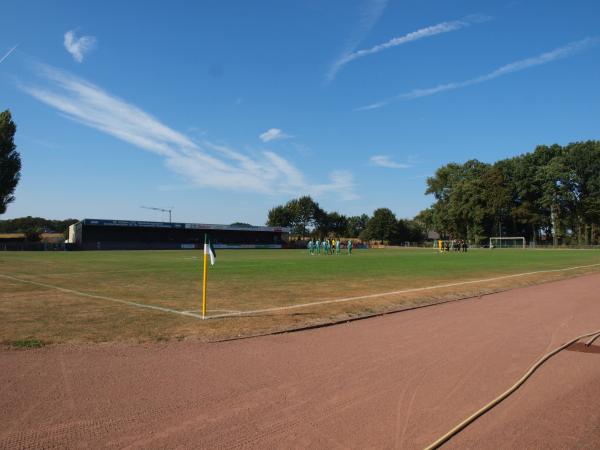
{"x": 179, "y": 225}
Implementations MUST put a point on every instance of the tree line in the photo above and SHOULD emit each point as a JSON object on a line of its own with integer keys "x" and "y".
{"x": 306, "y": 218}
{"x": 552, "y": 194}
{"x": 33, "y": 227}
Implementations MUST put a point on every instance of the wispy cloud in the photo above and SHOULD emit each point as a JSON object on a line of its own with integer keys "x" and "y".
{"x": 386, "y": 161}
{"x": 78, "y": 47}
{"x": 203, "y": 164}
{"x": 7, "y": 54}
{"x": 544, "y": 58}
{"x": 433, "y": 30}
{"x": 273, "y": 134}
{"x": 370, "y": 15}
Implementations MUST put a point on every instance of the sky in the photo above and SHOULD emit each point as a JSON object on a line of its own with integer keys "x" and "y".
{"x": 223, "y": 109}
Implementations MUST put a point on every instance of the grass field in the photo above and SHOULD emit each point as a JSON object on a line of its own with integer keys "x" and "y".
{"x": 53, "y": 297}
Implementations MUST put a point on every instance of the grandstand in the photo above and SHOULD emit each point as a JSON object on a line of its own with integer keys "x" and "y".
{"x": 100, "y": 234}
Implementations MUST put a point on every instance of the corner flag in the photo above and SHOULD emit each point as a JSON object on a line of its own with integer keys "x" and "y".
{"x": 209, "y": 250}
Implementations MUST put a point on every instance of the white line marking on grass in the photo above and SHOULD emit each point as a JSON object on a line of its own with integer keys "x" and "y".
{"x": 100, "y": 272}
{"x": 385, "y": 294}
{"x": 102, "y": 297}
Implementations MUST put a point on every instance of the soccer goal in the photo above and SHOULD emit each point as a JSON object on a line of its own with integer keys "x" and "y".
{"x": 507, "y": 242}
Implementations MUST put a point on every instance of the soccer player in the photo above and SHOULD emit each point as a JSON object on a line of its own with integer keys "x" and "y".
{"x": 310, "y": 247}
{"x": 337, "y": 246}
{"x": 324, "y": 246}
{"x": 350, "y": 246}
{"x": 317, "y": 247}
{"x": 440, "y": 246}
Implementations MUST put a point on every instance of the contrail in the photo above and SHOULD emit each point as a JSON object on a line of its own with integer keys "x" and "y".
{"x": 8, "y": 53}
{"x": 516, "y": 66}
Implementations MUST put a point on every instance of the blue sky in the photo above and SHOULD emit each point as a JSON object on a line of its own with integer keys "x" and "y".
{"x": 223, "y": 109}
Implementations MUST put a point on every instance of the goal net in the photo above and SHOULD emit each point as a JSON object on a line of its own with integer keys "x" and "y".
{"x": 507, "y": 242}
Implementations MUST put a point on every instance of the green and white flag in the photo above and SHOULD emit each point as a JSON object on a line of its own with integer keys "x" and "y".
{"x": 210, "y": 250}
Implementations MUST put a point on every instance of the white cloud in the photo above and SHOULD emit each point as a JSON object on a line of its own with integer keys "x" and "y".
{"x": 341, "y": 183}
{"x": 78, "y": 47}
{"x": 273, "y": 134}
{"x": 544, "y": 58}
{"x": 440, "y": 28}
{"x": 202, "y": 164}
{"x": 386, "y": 161}
{"x": 370, "y": 15}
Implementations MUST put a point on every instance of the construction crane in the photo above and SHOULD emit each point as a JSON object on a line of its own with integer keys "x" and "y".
{"x": 160, "y": 209}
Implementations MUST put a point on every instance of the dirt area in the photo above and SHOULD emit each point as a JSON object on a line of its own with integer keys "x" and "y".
{"x": 400, "y": 381}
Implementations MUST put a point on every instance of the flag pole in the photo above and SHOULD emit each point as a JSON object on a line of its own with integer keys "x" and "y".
{"x": 204, "y": 277}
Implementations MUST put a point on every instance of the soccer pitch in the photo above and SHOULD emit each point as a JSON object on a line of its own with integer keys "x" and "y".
{"x": 155, "y": 295}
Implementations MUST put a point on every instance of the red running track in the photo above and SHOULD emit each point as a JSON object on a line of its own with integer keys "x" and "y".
{"x": 398, "y": 381}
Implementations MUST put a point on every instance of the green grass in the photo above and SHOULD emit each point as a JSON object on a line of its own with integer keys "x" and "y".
{"x": 27, "y": 343}
{"x": 242, "y": 280}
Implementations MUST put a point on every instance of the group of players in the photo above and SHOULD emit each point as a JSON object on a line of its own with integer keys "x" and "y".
{"x": 327, "y": 247}
{"x": 455, "y": 245}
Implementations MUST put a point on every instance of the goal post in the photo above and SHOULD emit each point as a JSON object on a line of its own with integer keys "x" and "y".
{"x": 507, "y": 242}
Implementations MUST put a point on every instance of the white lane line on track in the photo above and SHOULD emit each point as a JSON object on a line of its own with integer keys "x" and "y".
{"x": 385, "y": 294}
{"x": 102, "y": 297}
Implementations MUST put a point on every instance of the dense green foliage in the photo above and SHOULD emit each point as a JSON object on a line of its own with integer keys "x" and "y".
{"x": 552, "y": 193}
{"x": 10, "y": 161}
{"x": 301, "y": 214}
{"x": 36, "y": 224}
{"x": 241, "y": 225}
{"x": 305, "y": 217}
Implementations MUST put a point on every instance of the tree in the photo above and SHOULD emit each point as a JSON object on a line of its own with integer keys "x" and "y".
{"x": 10, "y": 161}
{"x": 579, "y": 188}
{"x": 279, "y": 216}
{"x": 552, "y": 192}
{"x": 381, "y": 226}
{"x": 301, "y": 214}
{"x": 305, "y": 212}
{"x": 356, "y": 224}
{"x": 408, "y": 231}
{"x": 332, "y": 222}
{"x": 22, "y": 224}
{"x": 241, "y": 225}
{"x": 461, "y": 206}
